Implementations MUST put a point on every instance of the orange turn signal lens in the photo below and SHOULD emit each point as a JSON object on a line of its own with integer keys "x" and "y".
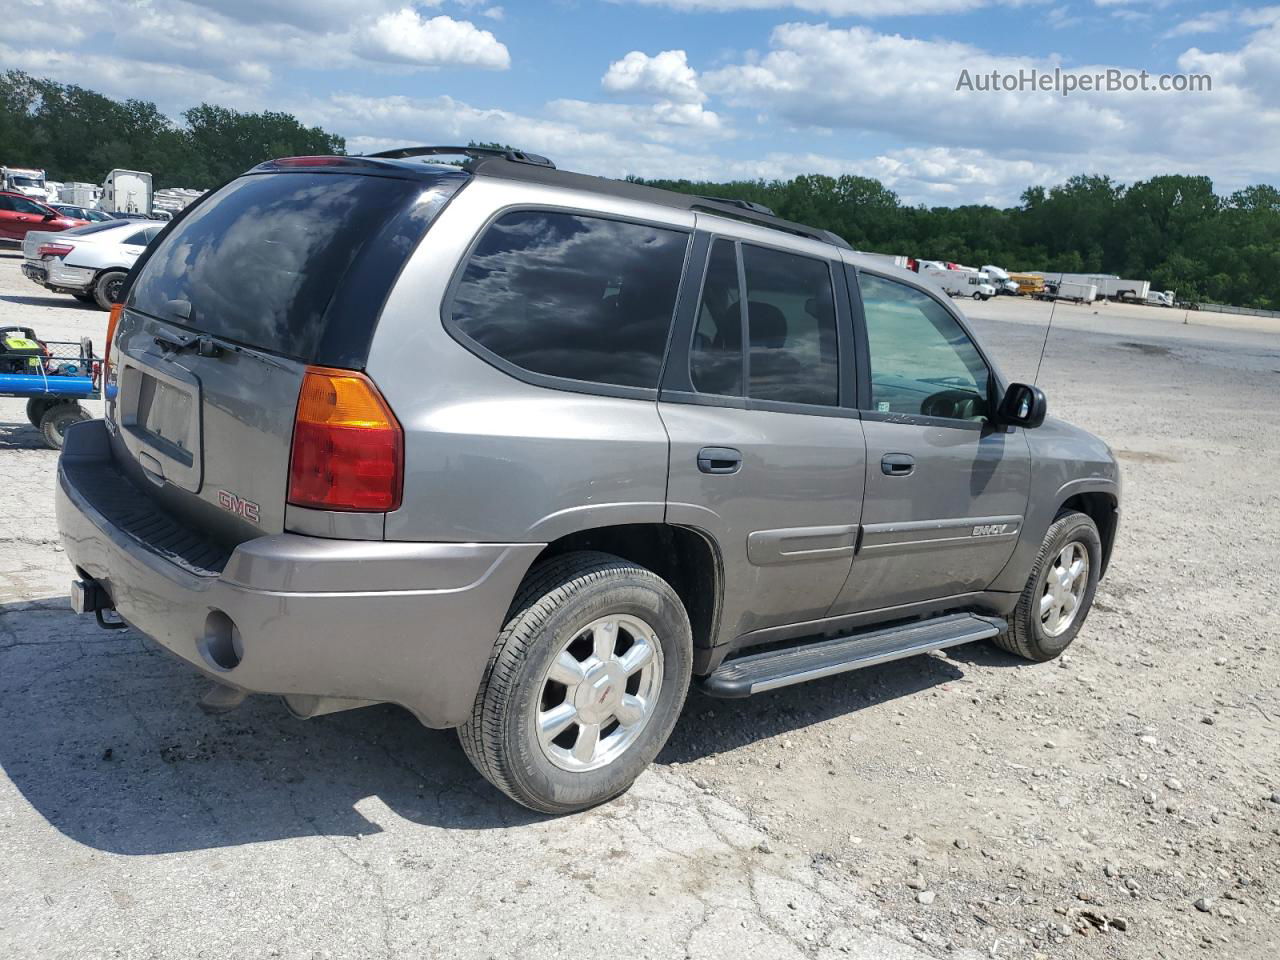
{"x": 348, "y": 448}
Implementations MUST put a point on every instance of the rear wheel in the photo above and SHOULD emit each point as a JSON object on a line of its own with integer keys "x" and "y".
{"x": 1059, "y": 591}
{"x": 36, "y": 407}
{"x": 584, "y": 685}
{"x": 55, "y": 421}
{"x": 108, "y": 287}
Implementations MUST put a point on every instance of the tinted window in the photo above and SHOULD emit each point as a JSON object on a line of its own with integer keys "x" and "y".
{"x": 922, "y": 362}
{"x": 23, "y": 205}
{"x": 715, "y": 360}
{"x": 141, "y": 238}
{"x": 89, "y": 228}
{"x": 791, "y": 322}
{"x": 260, "y": 260}
{"x": 571, "y": 296}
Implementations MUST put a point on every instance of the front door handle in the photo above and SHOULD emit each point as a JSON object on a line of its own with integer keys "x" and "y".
{"x": 719, "y": 460}
{"x": 898, "y": 464}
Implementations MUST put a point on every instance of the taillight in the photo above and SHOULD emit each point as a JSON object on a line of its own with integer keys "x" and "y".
{"x": 113, "y": 319}
{"x": 348, "y": 448}
{"x": 53, "y": 249}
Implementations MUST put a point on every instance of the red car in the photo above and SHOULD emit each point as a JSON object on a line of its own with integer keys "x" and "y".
{"x": 20, "y": 214}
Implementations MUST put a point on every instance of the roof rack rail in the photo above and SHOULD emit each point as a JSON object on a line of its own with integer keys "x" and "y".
{"x": 741, "y": 204}
{"x": 475, "y": 153}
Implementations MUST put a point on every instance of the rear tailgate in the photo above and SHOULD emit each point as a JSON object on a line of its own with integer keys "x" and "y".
{"x": 222, "y": 320}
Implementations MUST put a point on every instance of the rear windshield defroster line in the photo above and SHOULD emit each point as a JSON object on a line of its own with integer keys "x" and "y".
{"x": 269, "y": 260}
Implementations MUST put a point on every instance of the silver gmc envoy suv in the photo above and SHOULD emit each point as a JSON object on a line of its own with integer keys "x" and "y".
{"x": 527, "y": 452}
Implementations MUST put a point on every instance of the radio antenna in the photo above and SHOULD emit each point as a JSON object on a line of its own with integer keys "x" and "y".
{"x": 1044, "y": 346}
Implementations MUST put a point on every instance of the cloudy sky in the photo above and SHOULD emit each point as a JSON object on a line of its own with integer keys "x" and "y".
{"x": 709, "y": 88}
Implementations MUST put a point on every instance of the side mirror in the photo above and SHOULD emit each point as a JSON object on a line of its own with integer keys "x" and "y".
{"x": 49, "y": 216}
{"x": 1022, "y": 406}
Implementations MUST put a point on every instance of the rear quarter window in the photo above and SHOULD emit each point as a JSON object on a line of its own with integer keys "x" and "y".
{"x": 573, "y": 297}
{"x": 260, "y": 260}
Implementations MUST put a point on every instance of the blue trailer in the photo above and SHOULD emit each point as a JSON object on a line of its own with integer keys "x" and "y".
{"x": 52, "y": 375}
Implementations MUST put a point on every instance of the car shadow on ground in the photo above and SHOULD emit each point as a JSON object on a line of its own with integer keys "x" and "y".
{"x": 54, "y": 300}
{"x": 101, "y": 734}
{"x": 21, "y": 436}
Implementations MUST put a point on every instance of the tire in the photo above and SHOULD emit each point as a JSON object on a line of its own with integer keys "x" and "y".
{"x": 1029, "y": 635}
{"x": 85, "y": 297}
{"x": 557, "y": 603}
{"x": 56, "y": 419}
{"x": 36, "y": 407}
{"x": 108, "y": 287}
{"x": 977, "y": 296}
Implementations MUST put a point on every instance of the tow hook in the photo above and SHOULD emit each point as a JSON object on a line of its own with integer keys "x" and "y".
{"x": 89, "y": 596}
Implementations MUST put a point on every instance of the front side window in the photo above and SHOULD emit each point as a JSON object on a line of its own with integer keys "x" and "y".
{"x": 791, "y": 323}
{"x": 922, "y": 361}
{"x": 572, "y": 296}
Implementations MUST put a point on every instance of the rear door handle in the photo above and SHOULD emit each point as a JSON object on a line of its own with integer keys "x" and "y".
{"x": 719, "y": 460}
{"x": 898, "y": 464}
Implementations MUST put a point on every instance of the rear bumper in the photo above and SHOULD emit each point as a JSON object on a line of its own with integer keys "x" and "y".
{"x": 407, "y": 623}
{"x": 57, "y": 276}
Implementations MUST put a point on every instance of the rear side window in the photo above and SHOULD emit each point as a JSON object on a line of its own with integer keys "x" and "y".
{"x": 570, "y": 296}
{"x": 89, "y": 228}
{"x": 715, "y": 362}
{"x": 791, "y": 322}
{"x": 260, "y": 260}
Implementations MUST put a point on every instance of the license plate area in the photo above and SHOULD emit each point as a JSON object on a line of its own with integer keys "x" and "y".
{"x": 159, "y": 419}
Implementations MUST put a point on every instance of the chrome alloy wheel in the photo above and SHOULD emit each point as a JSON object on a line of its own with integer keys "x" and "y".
{"x": 1064, "y": 587}
{"x": 599, "y": 693}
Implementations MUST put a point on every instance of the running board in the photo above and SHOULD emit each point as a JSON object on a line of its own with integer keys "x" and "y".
{"x": 758, "y": 672}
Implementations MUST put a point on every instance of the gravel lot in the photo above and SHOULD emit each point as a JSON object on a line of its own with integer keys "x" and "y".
{"x": 1121, "y": 802}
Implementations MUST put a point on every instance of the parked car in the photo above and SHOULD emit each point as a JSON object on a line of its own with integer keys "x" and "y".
{"x": 19, "y": 215}
{"x": 88, "y": 262}
{"x": 527, "y": 452}
{"x": 81, "y": 213}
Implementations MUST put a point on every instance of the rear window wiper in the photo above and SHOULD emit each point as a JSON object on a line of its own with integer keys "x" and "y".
{"x": 177, "y": 342}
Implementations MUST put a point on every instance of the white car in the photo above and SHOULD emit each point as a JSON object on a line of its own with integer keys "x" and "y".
{"x": 89, "y": 262}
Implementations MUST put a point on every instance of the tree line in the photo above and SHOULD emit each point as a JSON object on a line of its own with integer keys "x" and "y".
{"x": 1174, "y": 230}
{"x": 76, "y": 134}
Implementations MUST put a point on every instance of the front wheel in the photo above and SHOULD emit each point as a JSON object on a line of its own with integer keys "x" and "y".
{"x": 1059, "y": 591}
{"x": 584, "y": 685}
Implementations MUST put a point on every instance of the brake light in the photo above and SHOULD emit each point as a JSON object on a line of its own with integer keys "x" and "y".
{"x": 54, "y": 249}
{"x": 318, "y": 162}
{"x": 113, "y": 319}
{"x": 348, "y": 448}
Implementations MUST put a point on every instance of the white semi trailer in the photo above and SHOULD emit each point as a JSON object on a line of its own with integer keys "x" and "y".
{"x": 127, "y": 191}
{"x": 1109, "y": 285}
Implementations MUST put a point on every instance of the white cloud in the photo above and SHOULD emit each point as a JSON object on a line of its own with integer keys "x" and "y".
{"x": 856, "y": 79}
{"x": 405, "y": 36}
{"x": 1211, "y": 21}
{"x": 666, "y": 75}
{"x": 832, "y": 8}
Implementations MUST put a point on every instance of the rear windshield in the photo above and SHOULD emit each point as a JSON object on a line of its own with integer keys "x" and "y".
{"x": 260, "y": 260}
{"x": 89, "y": 228}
